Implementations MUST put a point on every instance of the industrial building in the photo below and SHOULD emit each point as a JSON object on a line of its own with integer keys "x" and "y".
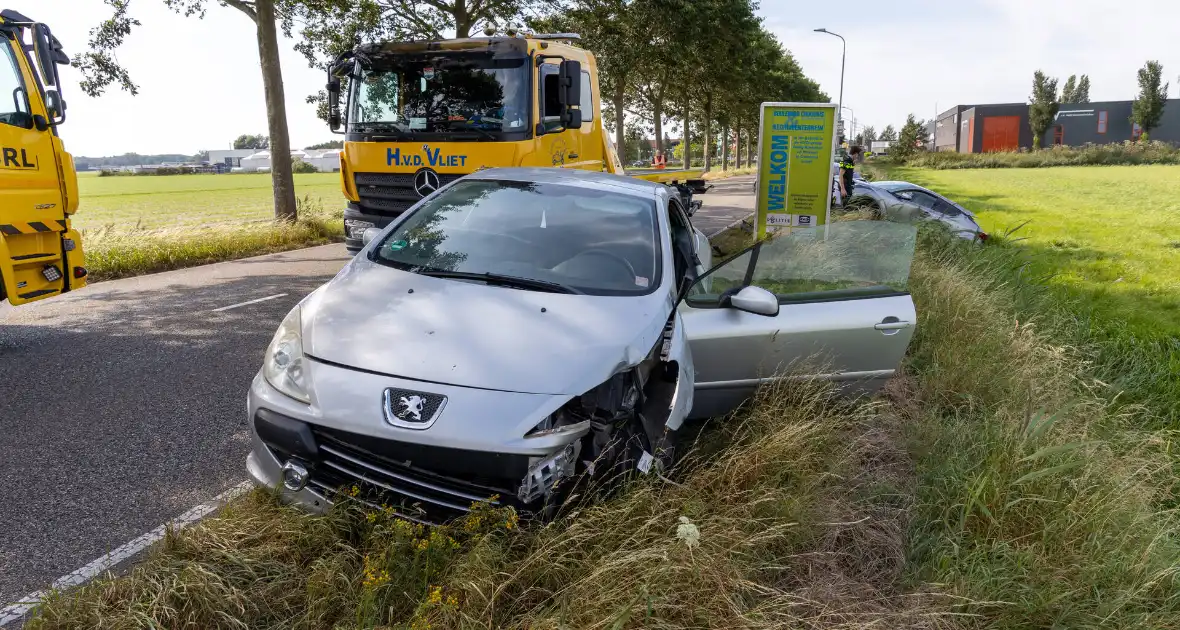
{"x": 258, "y": 161}
{"x": 1004, "y": 126}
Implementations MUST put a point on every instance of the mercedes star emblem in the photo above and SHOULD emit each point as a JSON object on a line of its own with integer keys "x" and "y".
{"x": 425, "y": 182}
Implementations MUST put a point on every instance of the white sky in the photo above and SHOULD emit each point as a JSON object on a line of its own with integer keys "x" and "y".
{"x": 200, "y": 83}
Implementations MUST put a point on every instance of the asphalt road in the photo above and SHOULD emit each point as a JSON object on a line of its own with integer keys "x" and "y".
{"x": 122, "y": 404}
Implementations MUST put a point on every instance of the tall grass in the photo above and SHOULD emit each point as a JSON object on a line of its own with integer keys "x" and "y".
{"x": 1040, "y": 499}
{"x": 118, "y": 251}
{"x": 1127, "y": 153}
{"x": 995, "y": 484}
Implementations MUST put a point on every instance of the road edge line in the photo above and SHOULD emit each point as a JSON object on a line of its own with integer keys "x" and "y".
{"x": 17, "y": 610}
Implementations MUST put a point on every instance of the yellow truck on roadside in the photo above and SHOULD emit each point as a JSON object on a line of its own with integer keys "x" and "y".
{"x": 422, "y": 114}
{"x": 40, "y": 251}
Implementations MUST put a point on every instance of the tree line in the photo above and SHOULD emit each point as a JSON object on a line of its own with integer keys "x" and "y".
{"x": 704, "y": 64}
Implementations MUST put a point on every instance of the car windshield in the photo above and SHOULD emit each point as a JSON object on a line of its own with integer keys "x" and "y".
{"x": 457, "y": 93}
{"x": 894, "y": 186}
{"x": 589, "y": 240}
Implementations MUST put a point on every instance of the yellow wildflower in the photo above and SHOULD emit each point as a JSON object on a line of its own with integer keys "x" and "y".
{"x": 435, "y": 595}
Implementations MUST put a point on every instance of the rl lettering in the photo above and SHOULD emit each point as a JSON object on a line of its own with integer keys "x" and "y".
{"x": 11, "y": 158}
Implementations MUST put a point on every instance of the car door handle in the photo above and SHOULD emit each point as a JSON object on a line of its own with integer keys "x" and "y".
{"x": 572, "y": 156}
{"x": 892, "y": 325}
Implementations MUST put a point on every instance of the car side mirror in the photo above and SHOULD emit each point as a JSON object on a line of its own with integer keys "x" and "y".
{"x": 369, "y": 234}
{"x": 755, "y": 300}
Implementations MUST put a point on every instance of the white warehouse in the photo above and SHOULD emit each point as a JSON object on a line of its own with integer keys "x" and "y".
{"x": 258, "y": 161}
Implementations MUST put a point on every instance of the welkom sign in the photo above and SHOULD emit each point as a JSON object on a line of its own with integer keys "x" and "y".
{"x": 796, "y": 148}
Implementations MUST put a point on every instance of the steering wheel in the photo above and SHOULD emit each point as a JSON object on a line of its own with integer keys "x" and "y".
{"x": 602, "y": 253}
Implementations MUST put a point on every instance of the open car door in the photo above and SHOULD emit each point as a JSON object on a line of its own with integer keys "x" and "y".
{"x": 832, "y": 306}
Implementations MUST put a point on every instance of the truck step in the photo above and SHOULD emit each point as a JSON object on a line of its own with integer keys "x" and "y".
{"x": 32, "y": 294}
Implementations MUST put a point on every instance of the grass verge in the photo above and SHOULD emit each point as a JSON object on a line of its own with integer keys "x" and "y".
{"x": 1124, "y": 153}
{"x": 717, "y": 173}
{"x": 1106, "y": 242}
{"x": 113, "y": 252}
{"x": 994, "y": 485}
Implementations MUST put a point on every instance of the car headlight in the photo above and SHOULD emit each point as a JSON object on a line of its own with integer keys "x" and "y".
{"x": 285, "y": 366}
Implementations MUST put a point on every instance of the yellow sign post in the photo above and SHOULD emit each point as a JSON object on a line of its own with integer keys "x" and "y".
{"x": 796, "y": 150}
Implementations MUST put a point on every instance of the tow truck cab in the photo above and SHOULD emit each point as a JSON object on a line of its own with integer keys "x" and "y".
{"x": 40, "y": 252}
{"x": 419, "y": 115}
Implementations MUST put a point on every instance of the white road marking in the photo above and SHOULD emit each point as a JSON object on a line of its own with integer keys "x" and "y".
{"x": 97, "y": 567}
{"x": 269, "y": 297}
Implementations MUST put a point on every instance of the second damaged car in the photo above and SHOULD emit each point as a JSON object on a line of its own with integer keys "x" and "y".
{"x": 522, "y": 328}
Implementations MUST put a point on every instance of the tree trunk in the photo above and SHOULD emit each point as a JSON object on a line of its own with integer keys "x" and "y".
{"x": 737, "y": 145}
{"x": 462, "y": 20}
{"x": 707, "y": 144}
{"x": 276, "y": 113}
{"x": 685, "y": 140}
{"x": 658, "y": 115}
{"x": 620, "y": 133}
{"x": 725, "y": 148}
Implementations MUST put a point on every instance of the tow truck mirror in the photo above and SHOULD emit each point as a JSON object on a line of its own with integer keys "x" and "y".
{"x": 333, "y": 103}
{"x": 569, "y": 79}
{"x": 569, "y": 93}
{"x": 571, "y": 118}
{"x": 56, "y": 107}
{"x": 44, "y": 50}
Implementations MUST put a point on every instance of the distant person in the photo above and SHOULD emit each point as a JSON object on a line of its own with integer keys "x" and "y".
{"x": 847, "y": 168}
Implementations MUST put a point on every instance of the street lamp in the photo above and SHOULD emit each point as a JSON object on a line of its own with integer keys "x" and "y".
{"x": 843, "y": 53}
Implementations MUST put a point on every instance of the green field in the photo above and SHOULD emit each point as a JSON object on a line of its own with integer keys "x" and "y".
{"x": 181, "y": 200}
{"x": 1108, "y": 234}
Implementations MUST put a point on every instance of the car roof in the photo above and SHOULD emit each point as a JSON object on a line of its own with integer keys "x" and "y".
{"x": 573, "y": 177}
{"x": 899, "y": 185}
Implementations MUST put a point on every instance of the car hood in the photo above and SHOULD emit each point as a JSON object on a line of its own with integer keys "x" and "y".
{"x": 376, "y": 318}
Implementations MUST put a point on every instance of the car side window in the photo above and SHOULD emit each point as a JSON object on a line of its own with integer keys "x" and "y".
{"x": 924, "y": 199}
{"x": 14, "y": 99}
{"x": 846, "y": 260}
{"x": 682, "y": 241}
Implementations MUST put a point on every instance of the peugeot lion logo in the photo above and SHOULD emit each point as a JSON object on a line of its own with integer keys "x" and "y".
{"x": 425, "y": 182}
{"x": 411, "y": 406}
{"x": 409, "y": 409}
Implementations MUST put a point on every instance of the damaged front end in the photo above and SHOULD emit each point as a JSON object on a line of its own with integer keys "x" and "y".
{"x": 626, "y": 424}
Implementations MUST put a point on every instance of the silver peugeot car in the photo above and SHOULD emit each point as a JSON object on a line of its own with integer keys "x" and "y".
{"x": 903, "y": 201}
{"x": 521, "y": 329}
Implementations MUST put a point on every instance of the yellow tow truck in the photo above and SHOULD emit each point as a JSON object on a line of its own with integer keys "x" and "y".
{"x": 422, "y": 114}
{"x": 40, "y": 252}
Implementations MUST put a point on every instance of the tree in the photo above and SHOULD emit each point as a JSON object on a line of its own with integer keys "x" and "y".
{"x": 331, "y": 144}
{"x": 100, "y": 69}
{"x": 1148, "y": 108}
{"x": 887, "y": 134}
{"x": 634, "y": 145}
{"x": 912, "y": 138}
{"x": 246, "y": 141}
{"x": 870, "y": 135}
{"x": 1043, "y": 106}
{"x": 1076, "y": 90}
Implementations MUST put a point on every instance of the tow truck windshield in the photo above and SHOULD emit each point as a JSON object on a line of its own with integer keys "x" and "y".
{"x": 476, "y": 95}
